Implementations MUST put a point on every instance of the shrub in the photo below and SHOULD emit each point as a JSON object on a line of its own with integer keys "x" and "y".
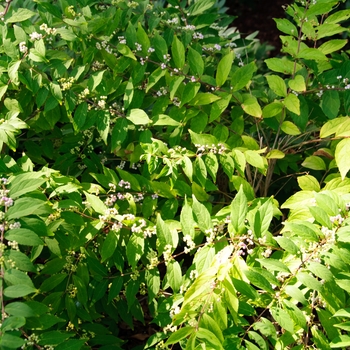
{"x": 145, "y": 149}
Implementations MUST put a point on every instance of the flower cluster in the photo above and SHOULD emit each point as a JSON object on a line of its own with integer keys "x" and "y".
{"x": 66, "y": 83}
{"x": 216, "y": 149}
{"x": 23, "y": 47}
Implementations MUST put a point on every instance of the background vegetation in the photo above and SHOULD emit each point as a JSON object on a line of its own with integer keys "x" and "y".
{"x": 165, "y": 184}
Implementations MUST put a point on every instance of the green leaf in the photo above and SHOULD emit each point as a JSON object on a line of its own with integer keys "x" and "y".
{"x": 81, "y": 289}
{"x": 332, "y": 45}
{"x": 195, "y": 62}
{"x": 201, "y": 215}
{"x": 19, "y": 309}
{"x": 155, "y": 77}
{"x": 286, "y": 27}
{"x": 308, "y": 183}
{"x": 303, "y": 229}
{"x": 180, "y": 334}
{"x": 342, "y": 157}
{"x": 242, "y": 76}
{"x": 209, "y": 337}
{"x": 20, "y": 15}
{"x": 290, "y": 128}
{"x": 53, "y": 337}
{"x": 282, "y": 65}
{"x": 9, "y": 341}
{"x": 203, "y": 98}
{"x": 19, "y": 291}
{"x": 164, "y": 235}
{"x": 272, "y": 109}
{"x": 312, "y": 54}
{"x": 258, "y": 280}
{"x": 297, "y": 84}
{"x": 109, "y": 245}
{"x": 314, "y": 163}
{"x": 186, "y": 220}
{"x": 254, "y": 159}
{"x": 25, "y": 183}
{"x": 119, "y": 133}
{"x": 200, "y": 171}
{"x": 200, "y": 6}
{"x": 115, "y": 288}
{"x": 95, "y": 203}
{"x": 28, "y": 206}
{"x": 16, "y": 277}
{"x": 160, "y": 47}
{"x": 340, "y": 342}
{"x": 274, "y": 265}
{"x": 135, "y": 249}
{"x": 330, "y": 103}
{"x": 283, "y": 319}
{"x": 292, "y": 103}
{"x": 203, "y": 139}
{"x": 178, "y": 53}
{"x": 23, "y": 236}
{"x": 333, "y": 126}
{"x": 275, "y": 154}
{"x": 174, "y": 275}
{"x": 174, "y": 85}
{"x": 287, "y": 244}
{"x": 308, "y": 281}
{"x": 152, "y": 279}
{"x": 251, "y": 106}
{"x": 80, "y": 116}
{"x": 224, "y": 68}
{"x": 212, "y": 164}
{"x": 277, "y": 85}
{"x": 218, "y": 107}
{"x": 52, "y": 282}
{"x": 138, "y": 117}
{"x": 71, "y": 344}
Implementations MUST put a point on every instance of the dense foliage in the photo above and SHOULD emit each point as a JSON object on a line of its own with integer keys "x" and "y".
{"x": 165, "y": 185}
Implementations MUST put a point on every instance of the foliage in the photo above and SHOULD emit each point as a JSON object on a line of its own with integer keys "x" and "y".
{"x": 146, "y": 146}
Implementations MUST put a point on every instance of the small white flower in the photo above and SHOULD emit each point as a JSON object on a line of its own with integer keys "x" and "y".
{"x": 35, "y": 36}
